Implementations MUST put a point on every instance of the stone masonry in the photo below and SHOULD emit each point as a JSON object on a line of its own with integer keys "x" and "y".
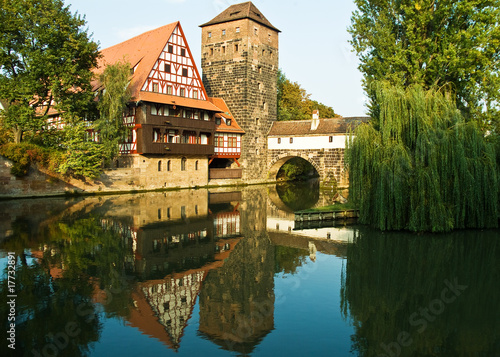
{"x": 240, "y": 64}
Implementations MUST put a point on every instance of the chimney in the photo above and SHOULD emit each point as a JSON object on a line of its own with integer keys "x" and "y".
{"x": 315, "y": 120}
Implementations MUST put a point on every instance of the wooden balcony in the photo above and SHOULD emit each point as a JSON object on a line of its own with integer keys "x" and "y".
{"x": 178, "y": 122}
{"x": 225, "y": 174}
{"x": 171, "y": 148}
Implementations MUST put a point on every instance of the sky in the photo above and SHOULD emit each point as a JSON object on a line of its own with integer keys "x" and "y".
{"x": 313, "y": 43}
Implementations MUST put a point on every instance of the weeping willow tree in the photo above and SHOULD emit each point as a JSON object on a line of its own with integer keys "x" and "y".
{"x": 419, "y": 166}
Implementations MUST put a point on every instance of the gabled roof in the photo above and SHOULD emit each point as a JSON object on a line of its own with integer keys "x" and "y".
{"x": 325, "y": 127}
{"x": 226, "y": 114}
{"x": 141, "y": 52}
{"x": 246, "y": 10}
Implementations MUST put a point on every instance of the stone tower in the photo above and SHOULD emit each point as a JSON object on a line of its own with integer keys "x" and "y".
{"x": 240, "y": 65}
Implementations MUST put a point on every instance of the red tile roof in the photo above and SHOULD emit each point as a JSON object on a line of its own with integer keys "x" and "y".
{"x": 142, "y": 52}
{"x": 246, "y": 10}
{"x": 325, "y": 127}
{"x": 226, "y": 114}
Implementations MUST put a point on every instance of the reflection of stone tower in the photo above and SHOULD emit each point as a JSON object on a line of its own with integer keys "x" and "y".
{"x": 240, "y": 65}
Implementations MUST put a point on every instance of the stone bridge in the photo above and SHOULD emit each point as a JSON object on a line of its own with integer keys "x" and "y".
{"x": 329, "y": 163}
{"x": 319, "y": 141}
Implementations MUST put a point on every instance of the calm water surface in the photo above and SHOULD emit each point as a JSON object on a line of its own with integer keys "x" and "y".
{"x": 227, "y": 273}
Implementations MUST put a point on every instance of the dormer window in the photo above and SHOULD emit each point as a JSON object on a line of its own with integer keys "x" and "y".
{"x": 228, "y": 122}
{"x": 217, "y": 121}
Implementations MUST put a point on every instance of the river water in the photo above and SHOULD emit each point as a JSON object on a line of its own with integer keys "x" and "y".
{"x": 227, "y": 273}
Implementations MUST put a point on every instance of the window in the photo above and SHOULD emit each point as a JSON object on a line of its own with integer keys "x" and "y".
{"x": 236, "y": 48}
{"x": 217, "y": 121}
{"x": 156, "y": 135}
{"x": 279, "y": 140}
{"x": 169, "y": 89}
{"x": 155, "y": 87}
{"x": 211, "y": 51}
{"x": 195, "y": 96}
{"x": 237, "y": 30}
{"x": 169, "y": 165}
{"x": 154, "y": 110}
{"x": 228, "y": 122}
{"x": 196, "y": 165}
{"x": 167, "y": 68}
{"x": 184, "y": 72}
{"x": 209, "y": 35}
{"x": 263, "y": 52}
{"x": 224, "y": 32}
{"x": 159, "y": 170}
{"x": 183, "y": 52}
{"x": 330, "y": 139}
{"x": 269, "y": 37}
{"x": 219, "y": 141}
{"x": 260, "y": 86}
{"x": 256, "y": 121}
{"x": 223, "y": 49}
{"x": 183, "y": 166}
{"x": 232, "y": 141}
{"x": 291, "y": 140}
{"x": 255, "y": 31}
{"x": 182, "y": 92}
{"x": 170, "y": 49}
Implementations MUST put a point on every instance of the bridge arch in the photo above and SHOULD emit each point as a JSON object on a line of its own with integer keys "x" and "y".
{"x": 278, "y": 161}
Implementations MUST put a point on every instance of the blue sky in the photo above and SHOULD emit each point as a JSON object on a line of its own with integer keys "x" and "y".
{"x": 313, "y": 50}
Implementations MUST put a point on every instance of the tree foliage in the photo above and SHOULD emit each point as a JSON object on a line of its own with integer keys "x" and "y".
{"x": 421, "y": 166}
{"x": 433, "y": 43}
{"x": 113, "y": 98}
{"x": 46, "y": 59}
{"x": 294, "y": 103}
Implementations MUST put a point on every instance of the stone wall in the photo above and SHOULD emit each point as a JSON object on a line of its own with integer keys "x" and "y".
{"x": 241, "y": 67}
{"x": 327, "y": 162}
{"x": 134, "y": 172}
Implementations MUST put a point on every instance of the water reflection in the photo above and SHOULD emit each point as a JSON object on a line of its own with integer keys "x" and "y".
{"x": 425, "y": 295}
{"x": 220, "y": 262}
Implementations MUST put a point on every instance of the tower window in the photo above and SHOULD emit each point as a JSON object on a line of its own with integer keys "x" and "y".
{"x": 237, "y": 30}
{"x": 159, "y": 169}
{"x": 236, "y": 48}
{"x": 209, "y": 35}
{"x": 269, "y": 37}
{"x": 223, "y": 49}
{"x": 255, "y": 31}
{"x": 223, "y": 32}
{"x": 183, "y": 167}
{"x": 211, "y": 52}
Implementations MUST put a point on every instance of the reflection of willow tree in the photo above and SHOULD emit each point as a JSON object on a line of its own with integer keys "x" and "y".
{"x": 394, "y": 283}
{"x": 299, "y": 195}
{"x": 55, "y": 291}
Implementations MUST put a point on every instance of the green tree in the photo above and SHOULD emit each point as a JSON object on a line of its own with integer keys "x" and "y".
{"x": 433, "y": 43}
{"x": 420, "y": 166}
{"x": 294, "y": 102}
{"x": 113, "y": 98}
{"x": 46, "y": 58}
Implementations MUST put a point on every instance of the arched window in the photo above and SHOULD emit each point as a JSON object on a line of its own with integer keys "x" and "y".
{"x": 196, "y": 165}
{"x": 183, "y": 164}
{"x": 159, "y": 165}
{"x": 169, "y": 166}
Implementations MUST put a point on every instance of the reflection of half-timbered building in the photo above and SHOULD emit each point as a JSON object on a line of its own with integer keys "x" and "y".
{"x": 172, "y": 123}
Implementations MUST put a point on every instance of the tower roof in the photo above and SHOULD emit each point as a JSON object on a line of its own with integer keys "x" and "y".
{"x": 246, "y": 10}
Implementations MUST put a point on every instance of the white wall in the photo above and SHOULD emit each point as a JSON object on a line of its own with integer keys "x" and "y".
{"x": 308, "y": 142}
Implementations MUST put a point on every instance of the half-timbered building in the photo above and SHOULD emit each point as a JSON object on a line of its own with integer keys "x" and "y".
{"x": 171, "y": 119}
